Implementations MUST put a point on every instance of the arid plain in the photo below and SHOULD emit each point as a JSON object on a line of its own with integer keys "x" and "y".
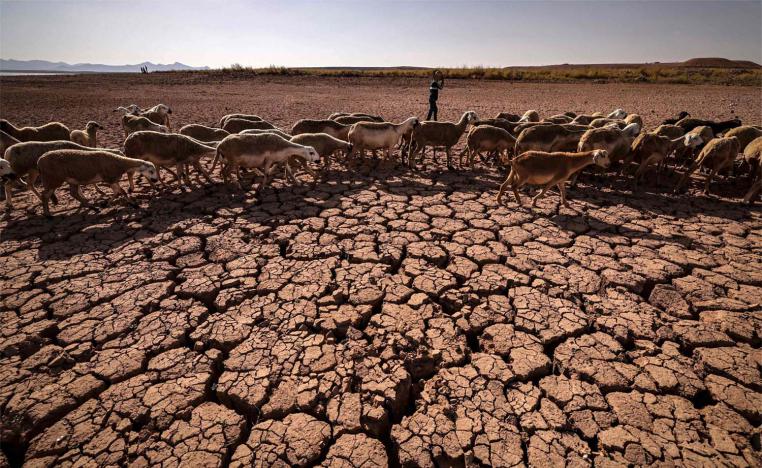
{"x": 380, "y": 317}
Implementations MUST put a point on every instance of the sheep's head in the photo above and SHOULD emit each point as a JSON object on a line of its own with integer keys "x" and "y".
{"x": 163, "y": 109}
{"x": 310, "y": 154}
{"x": 93, "y": 125}
{"x": 617, "y": 114}
{"x": 148, "y": 170}
{"x": 471, "y": 116}
{"x": 601, "y": 158}
{"x": 5, "y": 170}
{"x": 683, "y": 115}
{"x": 692, "y": 140}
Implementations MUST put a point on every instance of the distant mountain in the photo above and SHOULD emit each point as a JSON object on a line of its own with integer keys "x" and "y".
{"x": 718, "y": 62}
{"x": 61, "y": 67}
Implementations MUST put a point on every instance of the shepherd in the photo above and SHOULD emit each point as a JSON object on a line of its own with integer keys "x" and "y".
{"x": 434, "y": 88}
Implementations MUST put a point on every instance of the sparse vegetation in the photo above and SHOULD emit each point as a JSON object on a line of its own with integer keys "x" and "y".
{"x": 648, "y": 73}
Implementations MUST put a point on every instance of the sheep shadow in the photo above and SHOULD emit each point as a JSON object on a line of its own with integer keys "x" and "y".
{"x": 75, "y": 232}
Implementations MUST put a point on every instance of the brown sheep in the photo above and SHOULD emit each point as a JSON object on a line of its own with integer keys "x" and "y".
{"x": 23, "y": 158}
{"x": 203, "y": 133}
{"x": 548, "y": 169}
{"x": 487, "y": 138}
{"x": 168, "y": 149}
{"x": 649, "y": 149}
{"x": 88, "y": 136}
{"x": 548, "y": 138}
{"x": 745, "y": 134}
{"x": 77, "y": 167}
{"x": 439, "y": 134}
{"x": 53, "y": 131}
{"x": 689, "y": 124}
{"x": 753, "y": 158}
{"x": 258, "y": 151}
{"x": 669, "y": 131}
{"x": 328, "y": 126}
{"x": 253, "y": 118}
{"x": 6, "y": 141}
{"x": 234, "y": 125}
{"x": 134, "y": 123}
{"x": 508, "y": 116}
{"x": 717, "y": 155}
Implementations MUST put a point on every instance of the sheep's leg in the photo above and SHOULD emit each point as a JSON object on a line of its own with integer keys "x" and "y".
{"x": 504, "y": 186}
{"x": 9, "y": 196}
{"x": 44, "y": 197}
{"x": 562, "y": 190}
{"x": 77, "y": 194}
{"x": 542, "y": 192}
{"x": 30, "y": 181}
{"x": 265, "y": 180}
{"x": 709, "y": 178}
{"x": 117, "y": 191}
{"x": 463, "y": 153}
{"x": 130, "y": 177}
{"x": 516, "y": 186}
{"x": 686, "y": 177}
{"x": 449, "y": 158}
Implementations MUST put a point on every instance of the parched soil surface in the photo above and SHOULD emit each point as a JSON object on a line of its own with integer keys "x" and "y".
{"x": 381, "y": 317}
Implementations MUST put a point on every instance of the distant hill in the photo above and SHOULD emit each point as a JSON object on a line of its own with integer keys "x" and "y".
{"x": 62, "y": 67}
{"x": 718, "y": 62}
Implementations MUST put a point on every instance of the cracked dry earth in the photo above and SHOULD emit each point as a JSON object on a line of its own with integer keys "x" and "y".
{"x": 394, "y": 319}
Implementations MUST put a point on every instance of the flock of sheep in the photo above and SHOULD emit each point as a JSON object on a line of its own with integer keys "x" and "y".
{"x": 546, "y": 152}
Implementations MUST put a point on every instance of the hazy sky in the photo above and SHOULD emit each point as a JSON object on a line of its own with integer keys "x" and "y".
{"x": 383, "y": 33}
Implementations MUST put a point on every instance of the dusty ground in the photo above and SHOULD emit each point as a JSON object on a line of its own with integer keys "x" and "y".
{"x": 399, "y": 318}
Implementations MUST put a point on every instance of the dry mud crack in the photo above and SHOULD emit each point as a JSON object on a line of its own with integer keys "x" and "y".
{"x": 401, "y": 318}
{"x": 374, "y": 323}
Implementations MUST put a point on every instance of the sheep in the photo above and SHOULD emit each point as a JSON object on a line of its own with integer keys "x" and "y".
{"x": 6, "y": 141}
{"x": 53, "y": 131}
{"x": 558, "y": 119}
{"x": 634, "y": 118}
{"x": 203, "y": 133}
{"x": 274, "y": 131}
{"x": 549, "y": 138}
{"x": 330, "y": 127}
{"x": 23, "y": 158}
{"x": 353, "y": 119}
{"x": 487, "y": 138}
{"x": 530, "y": 116}
{"x": 168, "y": 149}
{"x": 77, "y": 167}
{"x": 745, "y": 135}
{"x": 669, "y": 131}
{"x": 258, "y": 151}
{"x": 672, "y": 121}
{"x": 374, "y": 118}
{"x": 614, "y": 140}
{"x": 234, "y": 125}
{"x": 689, "y": 124}
{"x": 508, "y": 116}
{"x": 86, "y": 137}
{"x": 158, "y": 114}
{"x": 379, "y": 135}
{"x": 649, "y": 149}
{"x": 753, "y": 158}
{"x": 133, "y": 123}
{"x": 603, "y": 121}
{"x": 506, "y": 125}
{"x": 617, "y": 114}
{"x": 252, "y": 117}
{"x": 584, "y": 119}
{"x": 716, "y": 155}
{"x": 440, "y": 134}
{"x": 548, "y": 169}
{"x": 324, "y": 144}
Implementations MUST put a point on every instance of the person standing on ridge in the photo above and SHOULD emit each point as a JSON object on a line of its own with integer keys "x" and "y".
{"x": 434, "y": 88}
